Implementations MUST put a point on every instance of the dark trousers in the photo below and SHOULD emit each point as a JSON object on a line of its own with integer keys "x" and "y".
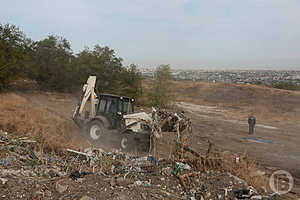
{"x": 251, "y": 129}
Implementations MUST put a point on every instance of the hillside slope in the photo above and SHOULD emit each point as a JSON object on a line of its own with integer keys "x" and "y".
{"x": 23, "y": 117}
{"x": 267, "y": 104}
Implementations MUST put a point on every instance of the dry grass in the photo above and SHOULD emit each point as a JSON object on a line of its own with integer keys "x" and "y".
{"x": 19, "y": 117}
{"x": 246, "y": 169}
{"x": 240, "y": 166}
{"x": 267, "y": 104}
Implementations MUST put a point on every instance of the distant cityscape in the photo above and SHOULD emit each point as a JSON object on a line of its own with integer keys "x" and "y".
{"x": 267, "y": 77}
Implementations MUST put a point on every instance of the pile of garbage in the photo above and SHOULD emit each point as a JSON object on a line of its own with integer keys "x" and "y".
{"x": 164, "y": 121}
{"x": 26, "y": 172}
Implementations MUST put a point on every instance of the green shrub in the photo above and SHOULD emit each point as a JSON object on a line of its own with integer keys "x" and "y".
{"x": 51, "y": 64}
{"x": 13, "y": 54}
{"x": 160, "y": 94}
{"x": 287, "y": 86}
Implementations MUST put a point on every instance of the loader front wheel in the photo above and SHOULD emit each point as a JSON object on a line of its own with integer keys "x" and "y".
{"x": 124, "y": 142}
{"x": 95, "y": 130}
{"x": 127, "y": 142}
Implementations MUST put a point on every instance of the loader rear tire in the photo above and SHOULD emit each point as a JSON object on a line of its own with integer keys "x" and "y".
{"x": 95, "y": 130}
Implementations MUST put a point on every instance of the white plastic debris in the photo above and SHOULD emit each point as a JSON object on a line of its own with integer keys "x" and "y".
{"x": 3, "y": 180}
{"x": 138, "y": 183}
{"x": 183, "y": 166}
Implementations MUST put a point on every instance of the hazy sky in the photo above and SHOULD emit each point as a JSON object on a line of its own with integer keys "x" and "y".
{"x": 183, "y": 33}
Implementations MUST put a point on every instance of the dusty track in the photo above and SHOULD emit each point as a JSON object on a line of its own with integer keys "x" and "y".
{"x": 227, "y": 134}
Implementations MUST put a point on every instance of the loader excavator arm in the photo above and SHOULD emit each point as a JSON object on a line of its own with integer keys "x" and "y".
{"x": 87, "y": 94}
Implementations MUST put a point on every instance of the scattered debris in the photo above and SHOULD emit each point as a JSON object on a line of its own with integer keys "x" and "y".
{"x": 86, "y": 198}
{"x": 165, "y": 121}
{"x": 3, "y": 180}
{"x": 152, "y": 160}
{"x": 76, "y": 174}
{"x": 61, "y": 188}
{"x": 180, "y": 166}
{"x": 245, "y": 193}
{"x": 32, "y": 174}
{"x": 53, "y": 173}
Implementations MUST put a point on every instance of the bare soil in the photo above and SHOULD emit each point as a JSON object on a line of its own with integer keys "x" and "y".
{"x": 218, "y": 111}
{"x": 267, "y": 104}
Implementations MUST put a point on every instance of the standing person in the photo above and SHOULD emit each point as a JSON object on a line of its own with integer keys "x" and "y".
{"x": 251, "y": 122}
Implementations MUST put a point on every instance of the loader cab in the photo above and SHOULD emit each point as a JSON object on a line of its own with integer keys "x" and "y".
{"x": 114, "y": 107}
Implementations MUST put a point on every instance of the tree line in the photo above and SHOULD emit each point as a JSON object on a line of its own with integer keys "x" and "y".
{"x": 53, "y": 65}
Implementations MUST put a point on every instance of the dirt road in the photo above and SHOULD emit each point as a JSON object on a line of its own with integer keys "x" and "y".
{"x": 274, "y": 146}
